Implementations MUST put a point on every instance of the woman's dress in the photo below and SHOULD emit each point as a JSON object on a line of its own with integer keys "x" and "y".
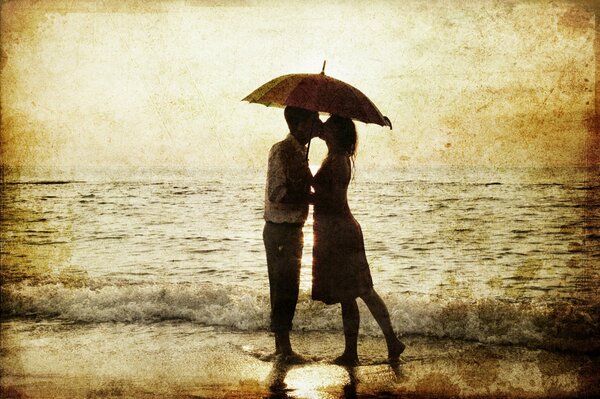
{"x": 340, "y": 267}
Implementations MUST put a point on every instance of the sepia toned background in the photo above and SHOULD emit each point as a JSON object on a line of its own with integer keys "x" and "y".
{"x": 140, "y": 84}
{"x": 133, "y": 174}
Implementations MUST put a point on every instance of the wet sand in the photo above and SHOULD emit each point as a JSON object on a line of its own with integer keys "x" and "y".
{"x": 57, "y": 360}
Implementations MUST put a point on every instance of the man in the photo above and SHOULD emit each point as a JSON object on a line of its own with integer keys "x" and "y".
{"x": 286, "y": 209}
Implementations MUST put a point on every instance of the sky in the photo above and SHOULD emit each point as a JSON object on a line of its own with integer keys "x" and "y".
{"x": 159, "y": 84}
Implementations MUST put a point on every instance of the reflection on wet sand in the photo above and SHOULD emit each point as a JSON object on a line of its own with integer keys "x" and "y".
{"x": 327, "y": 381}
{"x": 49, "y": 359}
{"x": 276, "y": 380}
{"x": 441, "y": 369}
{"x": 312, "y": 381}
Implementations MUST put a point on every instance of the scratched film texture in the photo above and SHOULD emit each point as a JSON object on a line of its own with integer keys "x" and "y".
{"x": 95, "y": 88}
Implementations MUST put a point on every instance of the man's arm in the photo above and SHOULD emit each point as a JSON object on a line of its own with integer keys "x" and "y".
{"x": 276, "y": 177}
{"x": 289, "y": 177}
{"x": 298, "y": 181}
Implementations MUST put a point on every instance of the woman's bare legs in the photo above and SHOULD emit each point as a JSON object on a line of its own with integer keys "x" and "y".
{"x": 351, "y": 320}
{"x": 382, "y": 316}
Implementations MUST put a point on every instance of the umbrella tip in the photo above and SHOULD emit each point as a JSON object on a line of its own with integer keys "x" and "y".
{"x": 388, "y": 121}
{"x": 323, "y": 69}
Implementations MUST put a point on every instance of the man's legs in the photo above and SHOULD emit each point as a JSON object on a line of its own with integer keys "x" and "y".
{"x": 283, "y": 245}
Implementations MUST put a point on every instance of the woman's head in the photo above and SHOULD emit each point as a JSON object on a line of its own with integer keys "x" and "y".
{"x": 340, "y": 135}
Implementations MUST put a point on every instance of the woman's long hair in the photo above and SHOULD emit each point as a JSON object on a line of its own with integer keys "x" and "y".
{"x": 346, "y": 136}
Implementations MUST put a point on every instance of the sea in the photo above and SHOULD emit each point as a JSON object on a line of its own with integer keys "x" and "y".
{"x": 506, "y": 256}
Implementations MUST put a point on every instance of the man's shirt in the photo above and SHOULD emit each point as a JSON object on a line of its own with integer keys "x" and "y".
{"x": 288, "y": 183}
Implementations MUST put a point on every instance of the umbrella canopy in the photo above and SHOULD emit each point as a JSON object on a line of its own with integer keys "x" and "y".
{"x": 321, "y": 93}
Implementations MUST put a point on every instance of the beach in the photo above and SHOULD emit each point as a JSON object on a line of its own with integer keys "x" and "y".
{"x": 172, "y": 359}
{"x": 133, "y": 171}
{"x": 156, "y": 286}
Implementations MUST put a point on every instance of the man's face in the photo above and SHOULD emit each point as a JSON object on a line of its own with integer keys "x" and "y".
{"x": 309, "y": 128}
{"x": 313, "y": 126}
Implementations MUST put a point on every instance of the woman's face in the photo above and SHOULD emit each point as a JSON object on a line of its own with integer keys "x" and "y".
{"x": 328, "y": 132}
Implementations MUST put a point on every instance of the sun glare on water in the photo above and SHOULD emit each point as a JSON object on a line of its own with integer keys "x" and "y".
{"x": 306, "y": 269}
{"x": 313, "y": 168}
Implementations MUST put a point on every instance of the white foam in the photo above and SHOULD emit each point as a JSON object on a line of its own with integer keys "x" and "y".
{"x": 547, "y": 325}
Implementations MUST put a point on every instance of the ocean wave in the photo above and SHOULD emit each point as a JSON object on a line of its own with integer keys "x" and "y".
{"x": 555, "y": 326}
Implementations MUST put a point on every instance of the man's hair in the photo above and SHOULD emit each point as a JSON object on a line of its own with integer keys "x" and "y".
{"x": 295, "y": 115}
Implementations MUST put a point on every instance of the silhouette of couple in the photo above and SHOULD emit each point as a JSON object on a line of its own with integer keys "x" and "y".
{"x": 340, "y": 268}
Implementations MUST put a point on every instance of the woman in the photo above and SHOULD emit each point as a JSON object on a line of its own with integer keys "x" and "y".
{"x": 340, "y": 268}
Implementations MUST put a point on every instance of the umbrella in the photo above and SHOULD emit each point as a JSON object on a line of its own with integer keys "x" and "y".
{"x": 321, "y": 93}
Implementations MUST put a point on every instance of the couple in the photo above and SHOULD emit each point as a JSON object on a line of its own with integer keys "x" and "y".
{"x": 340, "y": 269}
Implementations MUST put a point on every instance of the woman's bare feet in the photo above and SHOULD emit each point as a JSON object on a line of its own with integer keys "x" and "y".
{"x": 348, "y": 360}
{"x": 395, "y": 350}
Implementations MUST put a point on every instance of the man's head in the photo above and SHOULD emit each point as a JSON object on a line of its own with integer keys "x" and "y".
{"x": 303, "y": 124}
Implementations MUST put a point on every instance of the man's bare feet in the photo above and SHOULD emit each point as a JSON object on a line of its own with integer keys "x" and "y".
{"x": 292, "y": 358}
{"x": 269, "y": 357}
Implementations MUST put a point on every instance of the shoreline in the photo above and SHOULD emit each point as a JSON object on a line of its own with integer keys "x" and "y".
{"x": 183, "y": 360}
